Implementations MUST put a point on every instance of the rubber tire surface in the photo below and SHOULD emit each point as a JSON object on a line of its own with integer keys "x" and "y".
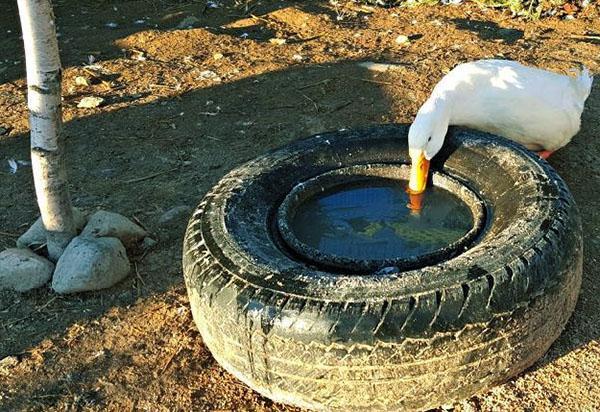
{"x": 395, "y": 341}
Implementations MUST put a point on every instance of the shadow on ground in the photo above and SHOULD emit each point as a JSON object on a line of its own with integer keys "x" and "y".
{"x": 145, "y": 159}
{"x": 488, "y": 30}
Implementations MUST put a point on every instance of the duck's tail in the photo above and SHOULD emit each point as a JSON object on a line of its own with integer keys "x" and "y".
{"x": 583, "y": 83}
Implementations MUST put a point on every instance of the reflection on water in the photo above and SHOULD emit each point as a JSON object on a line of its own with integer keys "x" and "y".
{"x": 370, "y": 220}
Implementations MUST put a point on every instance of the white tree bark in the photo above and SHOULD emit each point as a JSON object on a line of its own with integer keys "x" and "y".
{"x": 45, "y": 122}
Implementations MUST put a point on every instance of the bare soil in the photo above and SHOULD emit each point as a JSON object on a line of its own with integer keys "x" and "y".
{"x": 167, "y": 131}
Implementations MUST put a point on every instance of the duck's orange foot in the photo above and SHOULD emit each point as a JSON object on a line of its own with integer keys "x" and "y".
{"x": 545, "y": 154}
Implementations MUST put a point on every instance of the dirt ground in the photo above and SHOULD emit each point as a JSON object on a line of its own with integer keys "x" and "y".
{"x": 184, "y": 106}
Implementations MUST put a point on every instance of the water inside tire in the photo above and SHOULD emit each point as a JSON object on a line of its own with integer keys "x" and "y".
{"x": 369, "y": 219}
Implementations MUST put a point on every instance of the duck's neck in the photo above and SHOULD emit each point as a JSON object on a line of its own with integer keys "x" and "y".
{"x": 439, "y": 106}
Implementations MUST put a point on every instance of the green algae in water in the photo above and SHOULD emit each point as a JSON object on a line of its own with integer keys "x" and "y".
{"x": 370, "y": 220}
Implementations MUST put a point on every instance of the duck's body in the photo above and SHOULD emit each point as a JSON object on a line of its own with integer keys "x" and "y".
{"x": 537, "y": 108}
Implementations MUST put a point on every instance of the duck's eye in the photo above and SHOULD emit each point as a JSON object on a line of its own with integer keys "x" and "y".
{"x": 429, "y": 140}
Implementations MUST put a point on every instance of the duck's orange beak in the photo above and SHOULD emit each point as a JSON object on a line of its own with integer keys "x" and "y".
{"x": 418, "y": 181}
{"x": 418, "y": 172}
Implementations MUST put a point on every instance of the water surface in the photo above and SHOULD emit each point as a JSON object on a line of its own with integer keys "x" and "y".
{"x": 370, "y": 220}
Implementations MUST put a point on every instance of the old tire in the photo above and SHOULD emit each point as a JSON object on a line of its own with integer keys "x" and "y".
{"x": 391, "y": 341}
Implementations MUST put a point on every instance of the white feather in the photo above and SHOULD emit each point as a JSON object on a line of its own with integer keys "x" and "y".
{"x": 537, "y": 108}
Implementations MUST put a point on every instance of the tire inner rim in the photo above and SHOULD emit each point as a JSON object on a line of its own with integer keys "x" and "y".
{"x": 354, "y": 219}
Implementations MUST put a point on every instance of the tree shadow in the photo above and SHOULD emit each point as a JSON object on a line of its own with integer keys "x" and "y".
{"x": 488, "y": 30}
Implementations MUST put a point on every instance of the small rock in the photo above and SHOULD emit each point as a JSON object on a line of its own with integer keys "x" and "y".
{"x": 209, "y": 75}
{"x": 90, "y": 264}
{"x": 380, "y": 67}
{"x": 23, "y": 270}
{"x": 217, "y": 56}
{"x": 82, "y": 81}
{"x": 188, "y": 22}
{"x": 109, "y": 224}
{"x": 174, "y": 213}
{"x": 148, "y": 243}
{"x": 297, "y": 57}
{"x": 278, "y": 41}
{"x": 7, "y": 363}
{"x": 402, "y": 39}
{"x": 138, "y": 55}
{"x": 90, "y": 102}
{"x": 467, "y": 406}
{"x": 570, "y": 8}
{"x": 106, "y": 173}
{"x": 36, "y": 234}
{"x": 388, "y": 270}
{"x": 13, "y": 166}
{"x": 112, "y": 25}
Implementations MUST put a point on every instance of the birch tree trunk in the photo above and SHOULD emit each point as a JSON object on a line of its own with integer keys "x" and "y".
{"x": 45, "y": 122}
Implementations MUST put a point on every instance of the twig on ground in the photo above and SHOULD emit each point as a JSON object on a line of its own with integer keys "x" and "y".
{"x": 143, "y": 255}
{"x": 309, "y": 99}
{"x": 152, "y": 176}
{"x": 281, "y": 107}
{"x": 164, "y": 368}
{"x": 50, "y": 395}
{"x": 585, "y": 37}
{"x": 125, "y": 137}
{"x": 137, "y": 273}
{"x": 369, "y": 80}
{"x": 161, "y": 86}
{"x": 340, "y": 106}
{"x": 136, "y": 220}
{"x": 305, "y": 39}
{"x": 255, "y": 17}
{"x": 97, "y": 77}
{"x": 37, "y": 310}
{"x": 306, "y": 86}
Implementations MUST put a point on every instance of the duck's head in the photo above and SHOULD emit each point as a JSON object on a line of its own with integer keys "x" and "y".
{"x": 425, "y": 139}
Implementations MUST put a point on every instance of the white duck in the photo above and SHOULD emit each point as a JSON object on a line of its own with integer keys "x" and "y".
{"x": 537, "y": 108}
